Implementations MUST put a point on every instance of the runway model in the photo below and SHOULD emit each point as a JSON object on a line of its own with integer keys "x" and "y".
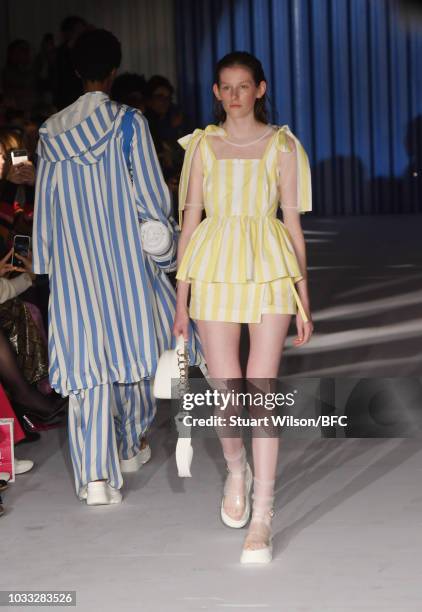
{"x": 111, "y": 306}
{"x": 243, "y": 265}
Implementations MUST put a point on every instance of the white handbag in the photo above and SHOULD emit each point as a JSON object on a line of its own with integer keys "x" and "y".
{"x": 174, "y": 364}
{"x": 156, "y": 238}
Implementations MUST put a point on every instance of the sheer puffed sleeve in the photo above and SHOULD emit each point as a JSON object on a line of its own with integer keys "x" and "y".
{"x": 294, "y": 174}
{"x": 189, "y": 193}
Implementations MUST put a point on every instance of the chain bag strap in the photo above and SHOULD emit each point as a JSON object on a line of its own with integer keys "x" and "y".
{"x": 184, "y": 450}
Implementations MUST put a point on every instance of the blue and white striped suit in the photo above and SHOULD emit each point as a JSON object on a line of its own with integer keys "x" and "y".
{"x": 111, "y": 307}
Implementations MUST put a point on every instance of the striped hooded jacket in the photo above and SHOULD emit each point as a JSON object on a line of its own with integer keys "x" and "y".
{"x": 111, "y": 306}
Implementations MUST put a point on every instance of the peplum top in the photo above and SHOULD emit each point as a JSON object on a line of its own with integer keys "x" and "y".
{"x": 241, "y": 239}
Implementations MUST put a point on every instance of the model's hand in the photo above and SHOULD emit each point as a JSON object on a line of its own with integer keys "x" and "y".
{"x": 304, "y": 330}
{"x": 6, "y": 267}
{"x": 181, "y": 323}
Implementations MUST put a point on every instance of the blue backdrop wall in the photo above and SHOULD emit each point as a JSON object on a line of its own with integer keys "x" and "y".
{"x": 346, "y": 75}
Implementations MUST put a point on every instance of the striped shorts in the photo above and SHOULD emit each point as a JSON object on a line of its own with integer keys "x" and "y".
{"x": 242, "y": 302}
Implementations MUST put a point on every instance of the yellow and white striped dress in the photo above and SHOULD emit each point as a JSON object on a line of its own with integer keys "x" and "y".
{"x": 240, "y": 259}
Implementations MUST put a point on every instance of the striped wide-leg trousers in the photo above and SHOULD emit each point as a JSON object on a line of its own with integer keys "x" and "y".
{"x": 105, "y": 425}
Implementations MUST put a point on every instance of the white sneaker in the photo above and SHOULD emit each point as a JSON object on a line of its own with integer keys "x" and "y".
{"x": 23, "y": 465}
{"x": 136, "y": 462}
{"x": 100, "y": 493}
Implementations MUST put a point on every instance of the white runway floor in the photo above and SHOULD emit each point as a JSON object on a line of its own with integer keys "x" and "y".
{"x": 348, "y": 532}
{"x": 365, "y": 285}
{"x": 348, "y": 524}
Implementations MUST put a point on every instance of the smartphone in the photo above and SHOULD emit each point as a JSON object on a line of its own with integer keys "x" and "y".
{"x": 19, "y": 156}
{"x": 21, "y": 246}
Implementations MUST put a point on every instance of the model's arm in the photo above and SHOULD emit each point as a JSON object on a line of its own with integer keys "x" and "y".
{"x": 191, "y": 219}
{"x": 43, "y": 216}
{"x": 151, "y": 192}
{"x": 289, "y": 193}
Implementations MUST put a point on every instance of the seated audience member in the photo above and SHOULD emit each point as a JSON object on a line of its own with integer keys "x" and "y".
{"x": 166, "y": 120}
{"x": 16, "y": 187}
{"x": 129, "y": 88}
{"x": 23, "y": 352}
{"x": 16, "y": 210}
{"x": 167, "y": 123}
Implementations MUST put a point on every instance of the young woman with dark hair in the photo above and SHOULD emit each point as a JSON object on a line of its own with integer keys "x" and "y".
{"x": 242, "y": 265}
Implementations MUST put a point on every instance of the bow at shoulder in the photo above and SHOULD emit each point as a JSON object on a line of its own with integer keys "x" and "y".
{"x": 190, "y": 143}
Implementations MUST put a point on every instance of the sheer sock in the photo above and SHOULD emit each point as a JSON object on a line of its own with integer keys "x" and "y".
{"x": 233, "y": 449}
{"x": 234, "y": 488}
{"x": 12, "y": 378}
{"x": 259, "y": 532}
{"x": 265, "y": 454}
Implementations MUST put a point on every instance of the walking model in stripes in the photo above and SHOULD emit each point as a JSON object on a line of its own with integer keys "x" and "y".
{"x": 111, "y": 306}
{"x": 241, "y": 265}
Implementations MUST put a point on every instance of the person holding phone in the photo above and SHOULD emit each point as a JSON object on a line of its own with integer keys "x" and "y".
{"x": 22, "y": 171}
{"x": 21, "y": 248}
{"x": 12, "y": 287}
{"x": 17, "y": 180}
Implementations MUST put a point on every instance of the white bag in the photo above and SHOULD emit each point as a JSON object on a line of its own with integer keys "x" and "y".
{"x": 174, "y": 364}
{"x": 156, "y": 238}
{"x": 168, "y": 367}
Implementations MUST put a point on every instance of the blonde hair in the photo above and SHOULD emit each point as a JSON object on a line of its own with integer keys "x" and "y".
{"x": 10, "y": 140}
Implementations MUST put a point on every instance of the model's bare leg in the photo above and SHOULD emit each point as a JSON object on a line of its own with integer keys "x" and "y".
{"x": 266, "y": 345}
{"x": 220, "y": 343}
